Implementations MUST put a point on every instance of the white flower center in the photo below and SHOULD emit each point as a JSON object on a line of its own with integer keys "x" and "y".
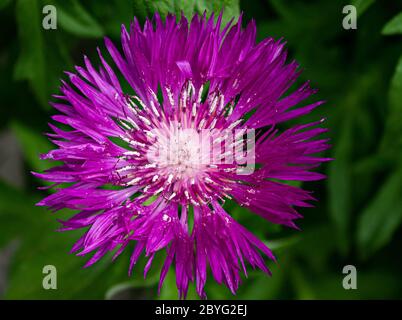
{"x": 182, "y": 152}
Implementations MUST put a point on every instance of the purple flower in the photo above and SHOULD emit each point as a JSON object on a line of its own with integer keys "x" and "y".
{"x": 154, "y": 164}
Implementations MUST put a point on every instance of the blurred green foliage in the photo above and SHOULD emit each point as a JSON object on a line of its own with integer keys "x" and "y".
{"x": 357, "y": 219}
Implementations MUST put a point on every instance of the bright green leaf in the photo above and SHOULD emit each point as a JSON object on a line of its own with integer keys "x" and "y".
{"x": 230, "y": 7}
{"x": 362, "y": 5}
{"x": 169, "y": 289}
{"x": 279, "y": 244}
{"x": 394, "y": 26}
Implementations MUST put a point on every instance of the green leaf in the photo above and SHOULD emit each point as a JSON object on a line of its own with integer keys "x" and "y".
{"x": 137, "y": 284}
{"x": 33, "y": 228}
{"x": 18, "y": 213}
{"x": 31, "y": 64}
{"x": 114, "y": 13}
{"x": 73, "y": 18}
{"x": 33, "y": 145}
{"x": 40, "y": 245}
{"x": 187, "y": 6}
{"x": 382, "y": 216}
{"x": 339, "y": 184}
{"x": 279, "y": 244}
{"x": 362, "y": 5}
{"x": 163, "y": 7}
{"x": 260, "y": 286}
{"x": 51, "y": 248}
{"x": 324, "y": 249}
{"x": 302, "y": 286}
{"x": 394, "y": 26}
{"x": 392, "y": 138}
{"x": 230, "y": 7}
{"x": 169, "y": 289}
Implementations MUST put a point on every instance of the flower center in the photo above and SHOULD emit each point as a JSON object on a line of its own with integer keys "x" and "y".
{"x": 182, "y": 152}
{"x": 179, "y": 149}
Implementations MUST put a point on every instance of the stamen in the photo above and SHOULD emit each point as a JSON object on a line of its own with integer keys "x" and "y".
{"x": 134, "y": 181}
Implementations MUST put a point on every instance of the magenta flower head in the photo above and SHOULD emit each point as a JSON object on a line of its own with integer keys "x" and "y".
{"x": 152, "y": 166}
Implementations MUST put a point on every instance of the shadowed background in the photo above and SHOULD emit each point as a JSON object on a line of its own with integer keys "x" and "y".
{"x": 357, "y": 220}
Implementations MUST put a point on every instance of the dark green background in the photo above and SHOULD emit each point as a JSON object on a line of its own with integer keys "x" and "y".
{"x": 358, "y": 218}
